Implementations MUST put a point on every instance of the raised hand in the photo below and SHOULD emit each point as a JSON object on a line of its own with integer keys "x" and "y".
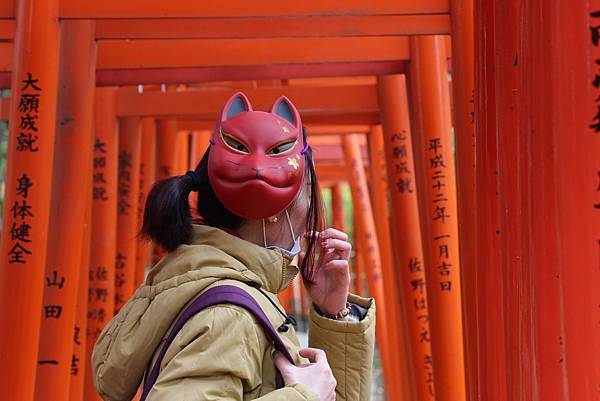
{"x": 332, "y": 278}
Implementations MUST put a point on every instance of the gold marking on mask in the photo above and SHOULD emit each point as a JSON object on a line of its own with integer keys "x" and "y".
{"x": 293, "y": 162}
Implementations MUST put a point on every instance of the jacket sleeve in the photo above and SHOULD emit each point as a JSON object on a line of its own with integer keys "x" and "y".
{"x": 349, "y": 347}
{"x": 218, "y": 354}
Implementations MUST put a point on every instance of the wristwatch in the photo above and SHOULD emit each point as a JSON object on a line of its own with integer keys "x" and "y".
{"x": 351, "y": 312}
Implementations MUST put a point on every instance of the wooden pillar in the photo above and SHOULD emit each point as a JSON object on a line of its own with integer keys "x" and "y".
{"x": 379, "y": 196}
{"x": 147, "y": 173}
{"x": 359, "y": 266}
{"x": 101, "y": 274}
{"x": 71, "y": 173}
{"x": 182, "y": 159}
{"x": 364, "y": 212}
{"x": 578, "y": 174}
{"x": 166, "y": 153}
{"x": 32, "y": 118}
{"x": 548, "y": 193}
{"x": 435, "y": 159}
{"x": 166, "y": 149}
{"x": 198, "y": 145}
{"x": 463, "y": 94}
{"x": 194, "y": 151}
{"x": 79, "y": 368}
{"x": 359, "y": 261}
{"x": 337, "y": 207}
{"x": 491, "y": 373}
{"x": 543, "y": 268}
{"x": 130, "y": 143}
{"x": 407, "y": 229}
{"x": 339, "y": 222}
{"x": 199, "y": 142}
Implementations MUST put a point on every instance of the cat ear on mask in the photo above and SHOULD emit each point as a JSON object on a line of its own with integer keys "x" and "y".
{"x": 238, "y": 103}
{"x": 285, "y": 109}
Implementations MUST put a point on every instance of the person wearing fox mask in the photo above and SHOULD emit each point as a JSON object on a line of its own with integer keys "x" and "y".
{"x": 202, "y": 326}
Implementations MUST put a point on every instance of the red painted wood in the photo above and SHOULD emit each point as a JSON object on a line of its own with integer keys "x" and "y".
{"x": 79, "y": 368}
{"x": 27, "y": 198}
{"x": 4, "y": 82}
{"x": 366, "y": 236}
{"x": 406, "y": 229}
{"x": 491, "y": 370}
{"x": 377, "y": 174}
{"x": 73, "y": 155}
{"x": 147, "y": 175}
{"x": 578, "y": 190}
{"x": 186, "y": 53}
{"x": 463, "y": 105}
{"x": 101, "y": 273}
{"x": 130, "y": 143}
{"x": 236, "y": 8}
{"x": 310, "y": 100}
{"x": 260, "y": 27}
{"x": 434, "y": 159}
{"x": 357, "y": 118}
{"x": 149, "y": 76}
{"x": 7, "y": 29}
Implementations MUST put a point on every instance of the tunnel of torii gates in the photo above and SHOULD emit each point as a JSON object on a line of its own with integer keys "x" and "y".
{"x": 468, "y": 132}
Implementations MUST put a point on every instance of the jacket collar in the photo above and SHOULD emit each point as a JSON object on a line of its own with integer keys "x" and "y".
{"x": 274, "y": 270}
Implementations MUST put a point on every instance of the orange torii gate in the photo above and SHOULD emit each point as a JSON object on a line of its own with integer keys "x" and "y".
{"x": 344, "y": 117}
{"x": 509, "y": 269}
{"x": 377, "y": 26}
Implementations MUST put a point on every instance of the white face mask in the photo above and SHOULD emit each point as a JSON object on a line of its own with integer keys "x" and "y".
{"x": 296, "y": 248}
{"x": 291, "y": 252}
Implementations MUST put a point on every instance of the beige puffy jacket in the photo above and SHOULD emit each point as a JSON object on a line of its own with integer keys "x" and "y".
{"x": 222, "y": 353}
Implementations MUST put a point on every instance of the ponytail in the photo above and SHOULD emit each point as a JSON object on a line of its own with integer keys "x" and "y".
{"x": 167, "y": 218}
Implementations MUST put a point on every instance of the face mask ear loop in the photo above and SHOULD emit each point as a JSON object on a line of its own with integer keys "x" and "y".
{"x": 264, "y": 232}
{"x": 287, "y": 215}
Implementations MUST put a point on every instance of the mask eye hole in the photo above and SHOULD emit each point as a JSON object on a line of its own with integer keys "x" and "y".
{"x": 281, "y": 148}
{"x": 234, "y": 143}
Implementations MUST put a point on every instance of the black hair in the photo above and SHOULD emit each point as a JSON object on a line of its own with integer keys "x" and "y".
{"x": 168, "y": 221}
{"x": 315, "y": 220}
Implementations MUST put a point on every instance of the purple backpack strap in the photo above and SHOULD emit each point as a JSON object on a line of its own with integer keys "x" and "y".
{"x": 222, "y": 294}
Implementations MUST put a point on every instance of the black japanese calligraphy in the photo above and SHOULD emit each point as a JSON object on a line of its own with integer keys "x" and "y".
{"x": 29, "y": 82}
{"x": 23, "y": 185}
{"x": 99, "y": 190}
{"x": 76, "y": 339}
{"x": 29, "y": 109}
{"x": 53, "y": 311}
{"x": 21, "y": 230}
{"x": 54, "y": 281}
{"x": 74, "y": 365}
{"x": 123, "y": 204}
